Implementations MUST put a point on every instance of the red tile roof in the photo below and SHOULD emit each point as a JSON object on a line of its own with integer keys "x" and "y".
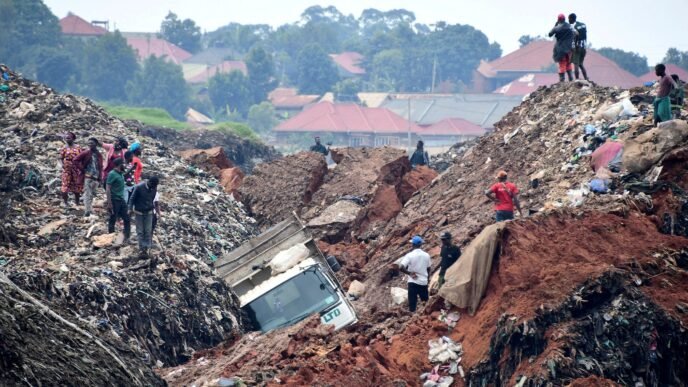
{"x": 349, "y": 61}
{"x": 146, "y": 46}
{"x": 452, "y": 127}
{"x": 225, "y": 67}
{"x": 528, "y": 84}
{"x": 74, "y": 25}
{"x": 670, "y": 69}
{"x": 288, "y": 98}
{"x": 537, "y": 56}
{"x": 345, "y": 117}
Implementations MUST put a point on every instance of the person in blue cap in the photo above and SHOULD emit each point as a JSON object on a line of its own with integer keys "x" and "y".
{"x": 416, "y": 266}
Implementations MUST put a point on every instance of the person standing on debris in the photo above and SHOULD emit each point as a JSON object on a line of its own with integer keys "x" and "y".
{"x": 450, "y": 253}
{"x": 564, "y": 35}
{"x": 142, "y": 203}
{"x": 579, "y": 43}
{"x": 129, "y": 174}
{"x": 319, "y": 148}
{"x": 70, "y": 174}
{"x": 505, "y": 196}
{"x": 136, "y": 149}
{"x": 662, "y": 102}
{"x": 416, "y": 265}
{"x": 419, "y": 156}
{"x": 117, "y": 207}
{"x": 112, "y": 152}
{"x": 89, "y": 165}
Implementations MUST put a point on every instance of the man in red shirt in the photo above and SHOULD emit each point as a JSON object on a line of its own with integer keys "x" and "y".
{"x": 505, "y": 196}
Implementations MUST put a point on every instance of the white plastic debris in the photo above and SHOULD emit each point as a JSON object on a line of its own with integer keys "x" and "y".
{"x": 399, "y": 295}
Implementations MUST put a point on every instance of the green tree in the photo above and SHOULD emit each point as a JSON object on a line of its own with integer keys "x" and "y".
{"x": 26, "y": 26}
{"x": 261, "y": 73}
{"x": 629, "y": 61}
{"x": 238, "y": 37}
{"x": 525, "y": 40}
{"x": 160, "y": 84}
{"x": 316, "y": 71}
{"x": 262, "y": 117}
{"x": 184, "y": 33}
{"x": 679, "y": 58}
{"x": 109, "y": 64}
{"x": 55, "y": 68}
{"x": 387, "y": 70}
{"x": 230, "y": 92}
{"x": 347, "y": 90}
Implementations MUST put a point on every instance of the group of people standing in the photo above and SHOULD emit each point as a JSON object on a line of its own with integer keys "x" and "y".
{"x": 118, "y": 169}
{"x": 569, "y": 50}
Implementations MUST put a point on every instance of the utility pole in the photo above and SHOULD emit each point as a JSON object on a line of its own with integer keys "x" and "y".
{"x": 434, "y": 73}
{"x": 409, "y": 124}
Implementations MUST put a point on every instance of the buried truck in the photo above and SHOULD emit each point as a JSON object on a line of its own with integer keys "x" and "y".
{"x": 281, "y": 277}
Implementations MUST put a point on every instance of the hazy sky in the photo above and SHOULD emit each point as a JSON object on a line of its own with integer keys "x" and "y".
{"x": 643, "y": 26}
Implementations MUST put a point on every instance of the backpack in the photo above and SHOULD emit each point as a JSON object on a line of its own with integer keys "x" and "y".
{"x": 582, "y": 31}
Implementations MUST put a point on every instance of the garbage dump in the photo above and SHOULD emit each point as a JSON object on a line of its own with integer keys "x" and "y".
{"x": 159, "y": 310}
{"x": 39, "y": 346}
{"x": 243, "y": 153}
{"x": 586, "y": 287}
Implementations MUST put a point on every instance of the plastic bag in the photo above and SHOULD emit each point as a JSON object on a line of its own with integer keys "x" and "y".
{"x": 289, "y": 258}
{"x": 399, "y": 296}
{"x": 628, "y": 108}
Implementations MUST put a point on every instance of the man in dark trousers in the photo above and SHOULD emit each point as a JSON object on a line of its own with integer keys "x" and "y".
{"x": 450, "y": 253}
{"x": 419, "y": 156}
{"x": 416, "y": 266}
{"x": 564, "y": 35}
{"x": 142, "y": 203}
{"x": 662, "y": 102}
{"x": 117, "y": 207}
{"x": 579, "y": 43}
{"x": 319, "y": 148}
{"x": 505, "y": 196}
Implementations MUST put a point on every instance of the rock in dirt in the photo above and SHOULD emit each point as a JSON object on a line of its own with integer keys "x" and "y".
{"x": 212, "y": 160}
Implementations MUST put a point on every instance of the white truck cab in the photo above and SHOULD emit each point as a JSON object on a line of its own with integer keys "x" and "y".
{"x": 281, "y": 277}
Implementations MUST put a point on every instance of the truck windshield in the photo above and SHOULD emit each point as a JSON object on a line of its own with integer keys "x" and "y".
{"x": 292, "y": 301}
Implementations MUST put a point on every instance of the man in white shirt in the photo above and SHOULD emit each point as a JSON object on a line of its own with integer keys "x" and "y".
{"x": 416, "y": 265}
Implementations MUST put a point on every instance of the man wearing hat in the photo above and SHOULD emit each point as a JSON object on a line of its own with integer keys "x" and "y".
{"x": 416, "y": 266}
{"x": 563, "y": 48}
{"x": 450, "y": 253}
{"x": 505, "y": 196}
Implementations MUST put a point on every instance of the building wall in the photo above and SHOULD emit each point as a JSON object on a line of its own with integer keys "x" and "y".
{"x": 367, "y": 139}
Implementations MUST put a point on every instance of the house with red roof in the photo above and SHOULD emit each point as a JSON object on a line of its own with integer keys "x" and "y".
{"x": 670, "y": 69}
{"x": 358, "y": 126}
{"x": 147, "y": 44}
{"x": 73, "y": 25}
{"x": 288, "y": 102}
{"x": 536, "y": 58}
{"x": 196, "y": 74}
{"x": 348, "y": 64}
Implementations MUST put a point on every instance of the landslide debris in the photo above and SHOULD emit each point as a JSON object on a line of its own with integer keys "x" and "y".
{"x": 243, "y": 153}
{"x": 588, "y": 289}
{"x": 161, "y": 309}
{"x": 286, "y": 185}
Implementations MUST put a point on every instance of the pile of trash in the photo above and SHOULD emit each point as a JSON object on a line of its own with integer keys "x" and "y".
{"x": 243, "y": 153}
{"x": 40, "y": 347}
{"x": 160, "y": 309}
{"x": 442, "y": 161}
{"x": 215, "y": 162}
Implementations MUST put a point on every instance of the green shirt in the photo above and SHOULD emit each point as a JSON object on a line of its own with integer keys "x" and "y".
{"x": 116, "y": 182}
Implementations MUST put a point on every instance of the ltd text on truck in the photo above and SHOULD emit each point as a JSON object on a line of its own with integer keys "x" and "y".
{"x": 281, "y": 277}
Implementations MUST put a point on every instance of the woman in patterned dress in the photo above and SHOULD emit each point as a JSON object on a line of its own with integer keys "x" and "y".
{"x": 70, "y": 181}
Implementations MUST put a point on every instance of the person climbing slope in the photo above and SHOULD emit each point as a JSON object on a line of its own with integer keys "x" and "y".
{"x": 416, "y": 266}
{"x": 505, "y": 197}
{"x": 70, "y": 175}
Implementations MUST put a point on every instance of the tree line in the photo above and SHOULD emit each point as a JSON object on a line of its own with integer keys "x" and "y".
{"x": 401, "y": 55}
